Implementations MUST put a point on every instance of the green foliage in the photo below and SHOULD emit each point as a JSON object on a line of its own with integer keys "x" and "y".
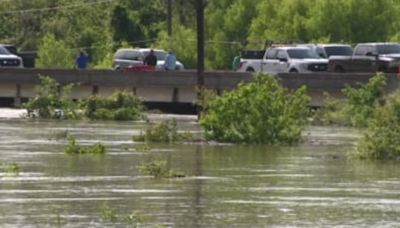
{"x": 260, "y": 112}
{"x": 358, "y": 107}
{"x": 133, "y": 219}
{"x": 333, "y": 113}
{"x": 99, "y": 27}
{"x": 108, "y": 213}
{"x": 158, "y": 168}
{"x": 166, "y": 132}
{"x": 52, "y": 101}
{"x": 183, "y": 43}
{"x": 362, "y": 101}
{"x": 120, "y": 106}
{"x": 53, "y": 53}
{"x": 11, "y": 168}
{"x": 74, "y": 148}
{"x": 382, "y": 137}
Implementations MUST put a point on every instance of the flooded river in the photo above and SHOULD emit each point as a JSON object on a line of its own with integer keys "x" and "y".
{"x": 309, "y": 185}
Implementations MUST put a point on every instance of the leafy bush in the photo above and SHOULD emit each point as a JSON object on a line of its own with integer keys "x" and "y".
{"x": 52, "y": 101}
{"x": 158, "y": 168}
{"x": 12, "y": 168}
{"x": 120, "y": 106}
{"x": 358, "y": 107}
{"x": 261, "y": 112}
{"x": 53, "y": 53}
{"x": 165, "y": 131}
{"x": 382, "y": 137}
{"x": 332, "y": 113}
{"x": 362, "y": 101}
{"x": 74, "y": 148}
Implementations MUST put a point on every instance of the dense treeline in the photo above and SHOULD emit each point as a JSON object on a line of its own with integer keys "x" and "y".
{"x": 101, "y": 26}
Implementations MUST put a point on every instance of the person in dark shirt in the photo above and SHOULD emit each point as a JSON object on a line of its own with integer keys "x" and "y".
{"x": 81, "y": 61}
{"x": 150, "y": 59}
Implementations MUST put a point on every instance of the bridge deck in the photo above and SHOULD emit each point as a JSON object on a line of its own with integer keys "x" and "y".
{"x": 169, "y": 87}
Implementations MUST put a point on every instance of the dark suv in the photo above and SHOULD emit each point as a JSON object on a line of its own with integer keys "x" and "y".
{"x": 368, "y": 57}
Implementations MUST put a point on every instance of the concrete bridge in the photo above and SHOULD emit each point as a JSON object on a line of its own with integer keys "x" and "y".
{"x": 176, "y": 88}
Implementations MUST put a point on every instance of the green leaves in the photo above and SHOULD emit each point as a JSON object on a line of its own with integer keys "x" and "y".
{"x": 53, "y": 53}
{"x": 362, "y": 101}
{"x": 358, "y": 108}
{"x": 261, "y": 112}
{"x": 52, "y": 101}
{"x": 120, "y": 106}
{"x": 382, "y": 137}
{"x": 74, "y": 148}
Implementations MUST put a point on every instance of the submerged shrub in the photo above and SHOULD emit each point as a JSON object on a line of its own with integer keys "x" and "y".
{"x": 165, "y": 131}
{"x": 158, "y": 168}
{"x": 11, "y": 168}
{"x": 382, "y": 137}
{"x": 358, "y": 107}
{"x": 258, "y": 112}
{"x": 120, "y": 106}
{"x": 52, "y": 101}
{"x": 108, "y": 213}
{"x": 74, "y": 148}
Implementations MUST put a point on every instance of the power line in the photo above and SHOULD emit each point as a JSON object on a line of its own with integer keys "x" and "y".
{"x": 38, "y": 10}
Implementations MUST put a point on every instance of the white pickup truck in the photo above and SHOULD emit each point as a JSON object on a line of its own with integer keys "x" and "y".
{"x": 294, "y": 59}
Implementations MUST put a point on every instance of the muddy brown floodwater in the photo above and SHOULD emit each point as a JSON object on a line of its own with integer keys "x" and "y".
{"x": 309, "y": 185}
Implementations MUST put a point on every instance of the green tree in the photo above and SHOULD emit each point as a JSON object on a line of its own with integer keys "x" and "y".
{"x": 53, "y": 53}
{"x": 229, "y": 32}
{"x": 183, "y": 43}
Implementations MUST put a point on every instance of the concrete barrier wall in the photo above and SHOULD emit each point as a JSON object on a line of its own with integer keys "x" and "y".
{"x": 176, "y": 86}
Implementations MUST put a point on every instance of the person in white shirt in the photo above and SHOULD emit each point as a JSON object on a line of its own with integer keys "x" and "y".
{"x": 170, "y": 61}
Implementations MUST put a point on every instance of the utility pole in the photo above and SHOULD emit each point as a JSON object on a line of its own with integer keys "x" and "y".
{"x": 169, "y": 18}
{"x": 200, "y": 53}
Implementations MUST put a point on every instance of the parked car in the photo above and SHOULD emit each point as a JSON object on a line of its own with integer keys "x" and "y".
{"x": 283, "y": 59}
{"x": 132, "y": 57}
{"x": 7, "y": 59}
{"x": 327, "y": 50}
{"x": 368, "y": 57}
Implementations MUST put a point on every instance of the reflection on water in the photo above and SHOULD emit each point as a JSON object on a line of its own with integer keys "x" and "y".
{"x": 309, "y": 185}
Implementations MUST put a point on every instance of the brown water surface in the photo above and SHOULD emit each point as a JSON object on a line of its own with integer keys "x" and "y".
{"x": 309, "y": 185}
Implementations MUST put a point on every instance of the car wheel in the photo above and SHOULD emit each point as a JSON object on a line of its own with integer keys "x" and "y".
{"x": 250, "y": 69}
{"x": 293, "y": 71}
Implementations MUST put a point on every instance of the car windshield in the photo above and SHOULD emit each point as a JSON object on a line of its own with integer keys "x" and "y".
{"x": 343, "y": 50}
{"x": 389, "y": 49}
{"x": 302, "y": 54}
{"x": 4, "y": 51}
{"x": 159, "y": 54}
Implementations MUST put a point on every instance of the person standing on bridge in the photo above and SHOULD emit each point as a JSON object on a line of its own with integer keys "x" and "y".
{"x": 150, "y": 59}
{"x": 81, "y": 61}
{"x": 236, "y": 62}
